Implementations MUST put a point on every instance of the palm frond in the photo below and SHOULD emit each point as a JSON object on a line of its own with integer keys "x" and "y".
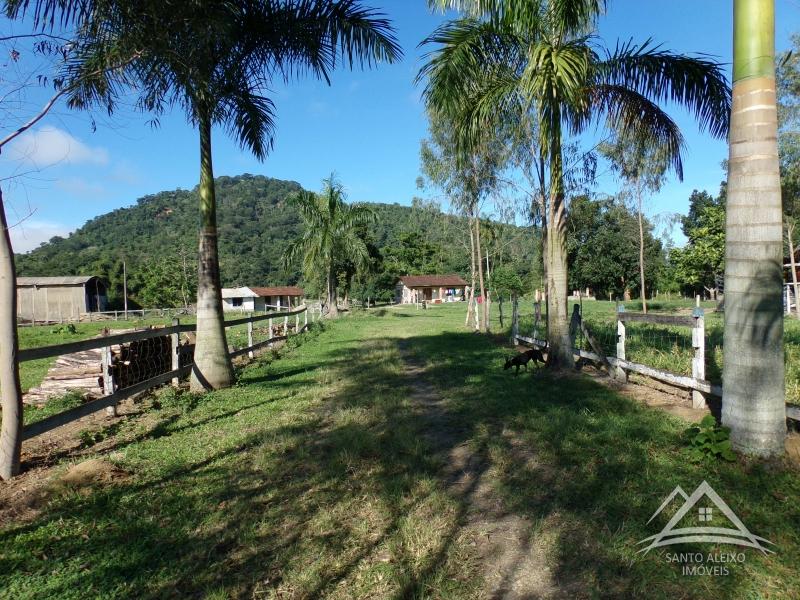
{"x": 694, "y": 82}
{"x": 640, "y": 119}
{"x": 251, "y": 121}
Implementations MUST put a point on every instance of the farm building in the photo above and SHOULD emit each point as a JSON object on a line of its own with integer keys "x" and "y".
{"x": 261, "y": 299}
{"x": 59, "y": 298}
{"x": 431, "y": 288}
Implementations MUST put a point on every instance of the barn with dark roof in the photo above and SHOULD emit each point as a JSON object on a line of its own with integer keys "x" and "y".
{"x": 430, "y": 288}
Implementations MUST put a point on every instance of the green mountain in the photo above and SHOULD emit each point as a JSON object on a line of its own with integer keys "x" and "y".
{"x": 157, "y": 239}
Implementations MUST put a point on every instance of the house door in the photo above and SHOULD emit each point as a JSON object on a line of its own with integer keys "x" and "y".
{"x": 427, "y": 294}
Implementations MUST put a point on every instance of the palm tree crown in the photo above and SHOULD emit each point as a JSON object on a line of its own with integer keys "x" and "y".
{"x": 538, "y": 60}
{"x": 330, "y": 235}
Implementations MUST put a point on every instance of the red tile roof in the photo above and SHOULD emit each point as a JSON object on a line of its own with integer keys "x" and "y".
{"x": 432, "y": 280}
{"x": 286, "y": 290}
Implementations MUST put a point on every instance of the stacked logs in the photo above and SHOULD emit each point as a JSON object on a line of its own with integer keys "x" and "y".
{"x": 79, "y": 371}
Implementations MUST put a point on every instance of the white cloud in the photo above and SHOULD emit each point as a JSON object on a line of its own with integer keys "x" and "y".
{"x": 47, "y": 146}
{"x": 31, "y": 234}
{"x": 80, "y": 187}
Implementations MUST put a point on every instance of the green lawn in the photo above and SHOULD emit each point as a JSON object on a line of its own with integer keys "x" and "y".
{"x": 316, "y": 476}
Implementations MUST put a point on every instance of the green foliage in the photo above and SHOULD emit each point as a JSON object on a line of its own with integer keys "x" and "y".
{"x": 330, "y": 241}
{"x": 166, "y": 280}
{"x": 256, "y": 223}
{"x": 708, "y": 440}
{"x": 700, "y": 263}
{"x": 411, "y": 255}
{"x": 505, "y": 282}
{"x": 603, "y": 248}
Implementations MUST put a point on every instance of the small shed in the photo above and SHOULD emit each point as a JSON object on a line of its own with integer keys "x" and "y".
{"x": 59, "y": 298}
{"x": 430, "y": 288}
{"x": 261, "y": 299}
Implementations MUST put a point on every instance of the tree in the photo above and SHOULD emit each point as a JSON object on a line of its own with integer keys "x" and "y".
{"x": 753, "y": 402}
{"x": 13, "y": 94}
{"x": 603, "y": 249}
{"x": 330, "y": 235}
{"x": 215, "y": 60}
{"x": 643, "y": 168}
{"x": 700, "y": 263}
{"x": 788, "y": 80}
{"x": 467, "y": 179}
{"x": 539, "y": 55}
{"x": 505, "y": 282}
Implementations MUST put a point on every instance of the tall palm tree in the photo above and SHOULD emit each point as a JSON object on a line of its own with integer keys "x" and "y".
{"x": 330, "y": 235}
{"x": 753, "y": 403}
{"x": 215, "y": 59}
{"x": 537, "y": 58}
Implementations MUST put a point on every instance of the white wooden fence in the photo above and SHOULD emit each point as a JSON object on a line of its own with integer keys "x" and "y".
{"x": 619, "y": 367}
{"x": 105, "y": 343}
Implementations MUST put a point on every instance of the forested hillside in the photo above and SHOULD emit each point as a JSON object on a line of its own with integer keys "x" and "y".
{"x": 157, "y": 239}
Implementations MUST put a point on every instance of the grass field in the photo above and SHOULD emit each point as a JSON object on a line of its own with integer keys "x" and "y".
{"x": 319, "y": 475}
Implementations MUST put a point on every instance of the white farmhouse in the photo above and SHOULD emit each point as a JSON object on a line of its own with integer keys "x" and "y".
{"x": 261, "y": 299}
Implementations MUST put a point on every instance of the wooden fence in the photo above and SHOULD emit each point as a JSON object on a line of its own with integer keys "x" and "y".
{"x": 179, "y": 368}
{"x": 619, "y": 367}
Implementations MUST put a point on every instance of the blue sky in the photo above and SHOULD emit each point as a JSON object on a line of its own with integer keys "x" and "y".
{"x": 367, "y": 127}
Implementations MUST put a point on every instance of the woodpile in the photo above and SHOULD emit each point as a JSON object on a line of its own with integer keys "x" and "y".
{"x": 77, "y": 372}
{"x": 82, "y": 371}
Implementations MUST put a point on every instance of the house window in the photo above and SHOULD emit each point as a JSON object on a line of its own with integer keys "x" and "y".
{"x": 237, "y": 302}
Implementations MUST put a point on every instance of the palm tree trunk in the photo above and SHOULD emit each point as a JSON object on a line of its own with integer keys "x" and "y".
{"x": 753, "y": 403}
{"x": 212, "y": 364}
{"x": 560, "y": 351}
{"x": 333, "y": 307}
{"x": 10, "y": 391}
{"x": 485, "y": 325}
{"x": 471, "y": 295}
{"x": 641, "y": 248}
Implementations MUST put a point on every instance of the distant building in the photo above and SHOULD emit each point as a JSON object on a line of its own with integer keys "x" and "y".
{"x": 261, "y": 299}
{"x": 431, "y": 288}
{"x": 59, "y": 298}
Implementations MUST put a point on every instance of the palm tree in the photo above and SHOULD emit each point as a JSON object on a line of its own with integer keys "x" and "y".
{"x": 215, "y": 58}
{"x": 753, "y": 403}
{"x": 538, "y": 59}
{"x": 330, "y": 235}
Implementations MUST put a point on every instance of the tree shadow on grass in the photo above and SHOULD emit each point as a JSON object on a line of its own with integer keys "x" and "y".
{"x": 346, "y": 496}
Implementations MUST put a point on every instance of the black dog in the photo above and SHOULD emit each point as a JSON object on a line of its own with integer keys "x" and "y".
{"x": 522, "y": 359}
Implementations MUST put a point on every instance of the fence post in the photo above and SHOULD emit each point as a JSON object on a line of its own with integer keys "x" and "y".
{"x": 271, "y": 335}
{"x": 175, "y": 345}
{"x": 699, "y": 360}
{"x": 296, "y": 322}
{"x": 108, "y": 379}
{"x": 250, "y": 336}
{"x": 620, "y": 372}
{"x": 514, "y": 320}
{"x": 286, "y": 326}
{"x": 305, "y": 318}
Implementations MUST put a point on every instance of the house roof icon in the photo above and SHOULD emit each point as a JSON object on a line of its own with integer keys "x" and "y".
{"x": 740, "y": 536}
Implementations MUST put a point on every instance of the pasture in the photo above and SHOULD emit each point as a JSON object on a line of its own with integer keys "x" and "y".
{"x": 384, "y": 455}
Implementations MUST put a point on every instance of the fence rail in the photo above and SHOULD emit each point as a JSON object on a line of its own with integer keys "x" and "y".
{"x": 114, "y": 394}
{"x": 619, "y": 366}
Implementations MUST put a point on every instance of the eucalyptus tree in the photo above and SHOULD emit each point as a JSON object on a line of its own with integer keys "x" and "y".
{"x": 467, "y": 182}
{"x": 753, "y": 403}
{"x": 330, "y": 235}
{"x": 541, "y": 56}
{"x": 216, "y": 60}
{"x": 643, "y": 170}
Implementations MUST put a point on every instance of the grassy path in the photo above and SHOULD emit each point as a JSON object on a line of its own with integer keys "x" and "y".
{"x": 389, "y": 456}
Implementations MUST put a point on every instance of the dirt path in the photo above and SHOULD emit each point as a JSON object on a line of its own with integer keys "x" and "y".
{"x": 513, "y": 560}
